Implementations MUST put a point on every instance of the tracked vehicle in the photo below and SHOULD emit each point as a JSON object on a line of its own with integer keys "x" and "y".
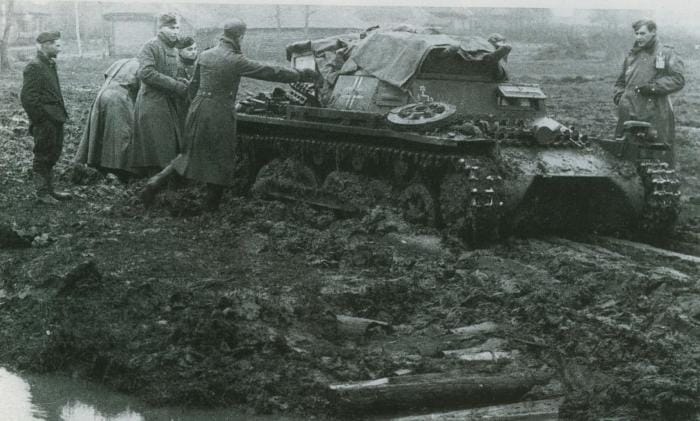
{"x": 432, "y": 125}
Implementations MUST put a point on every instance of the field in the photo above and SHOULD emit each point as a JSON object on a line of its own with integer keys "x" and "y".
{"x": 239, "y": 307}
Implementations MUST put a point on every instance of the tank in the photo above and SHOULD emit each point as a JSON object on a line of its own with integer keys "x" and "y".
{"x": 433, "y": 126}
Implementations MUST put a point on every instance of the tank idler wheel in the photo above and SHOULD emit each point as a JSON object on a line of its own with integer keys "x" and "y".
{"x": 418, "y": 205}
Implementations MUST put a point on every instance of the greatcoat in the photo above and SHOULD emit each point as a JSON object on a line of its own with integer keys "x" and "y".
{"x": 212, "y": 152}
{"x": 157, "y": 134}
{"x": 110, "y": 125}
{"x": 659, "y": 67}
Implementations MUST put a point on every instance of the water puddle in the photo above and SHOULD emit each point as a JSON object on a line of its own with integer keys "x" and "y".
{"x": 57, "y": 398}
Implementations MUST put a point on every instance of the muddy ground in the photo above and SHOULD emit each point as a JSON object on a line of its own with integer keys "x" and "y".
{"x": 239, "y": 307}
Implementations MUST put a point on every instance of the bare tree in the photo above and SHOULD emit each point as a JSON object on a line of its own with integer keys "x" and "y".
{"x": 9, "y": 8}
{"x": 308, "y": 12}
{"x": 77, "y": 29}
{"x": 278, "y": 17}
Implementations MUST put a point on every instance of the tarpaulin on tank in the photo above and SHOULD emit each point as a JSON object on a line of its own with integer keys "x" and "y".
{"x": 394, "y": 57}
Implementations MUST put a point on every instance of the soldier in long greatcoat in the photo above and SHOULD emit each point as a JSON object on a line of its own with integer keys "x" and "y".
{"x": 110, "y": 125}
{"x": 157, "y": 134}
{"x": 213, "y": 154}
{"x": 649, "y": 74}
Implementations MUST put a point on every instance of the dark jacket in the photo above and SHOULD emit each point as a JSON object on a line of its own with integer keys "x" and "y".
{"x": 660, "y": 67}
{"x": 41, "y": 93}
{"x": 212, "y": 152}
{"x": 157, "y": 131}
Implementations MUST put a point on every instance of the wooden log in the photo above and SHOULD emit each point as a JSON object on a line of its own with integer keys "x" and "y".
{"x": 455, "y": 388}
{"x": 482, "y": 356}
{"x": 358, "y": 326}
{"x": 475, "y": 330}
{"x": 646, "y": 248}
{"x": 542, "y": 410}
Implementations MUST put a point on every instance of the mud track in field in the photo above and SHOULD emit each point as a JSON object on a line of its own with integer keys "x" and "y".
{"x": 240, "y": 306}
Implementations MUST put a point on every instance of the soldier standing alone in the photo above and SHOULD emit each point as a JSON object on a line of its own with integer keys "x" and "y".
{"x": 42, "y": 100}
{"x": 650, "y": 73}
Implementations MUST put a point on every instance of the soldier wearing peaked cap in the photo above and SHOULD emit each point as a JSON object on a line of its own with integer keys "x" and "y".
{"x": 651, "y": 71}
{"x": 213, "y": 154}
{"x": 157, "y": 133}
{"x": 43, "y": 101}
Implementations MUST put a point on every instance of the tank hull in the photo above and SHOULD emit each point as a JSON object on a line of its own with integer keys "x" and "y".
{"x": 479, "y": 189}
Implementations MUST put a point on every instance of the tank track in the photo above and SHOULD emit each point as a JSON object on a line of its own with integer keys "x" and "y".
{"x": 465, "y": 193}
{"x": 662, "y": 198}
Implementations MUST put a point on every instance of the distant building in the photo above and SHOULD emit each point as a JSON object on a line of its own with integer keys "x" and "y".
{"x": 27, "y": 22}
{"x": 128, "y": 31}
{"x": 450, "y": 19}
{"x": 270, "y": 27}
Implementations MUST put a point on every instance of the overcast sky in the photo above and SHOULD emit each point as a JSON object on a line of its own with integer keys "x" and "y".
{"x": 684, "y": 13}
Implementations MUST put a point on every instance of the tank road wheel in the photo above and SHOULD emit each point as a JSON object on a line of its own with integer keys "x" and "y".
{"x": 348, "y": 187}
{"x": 358, "y": 161}
{"x": 401, "y": 170}
{"x": 454, "y": 203}
{"x": 418, "y": 205}
{"x": 318, "y": 157}
{"x": 279, "y": 176}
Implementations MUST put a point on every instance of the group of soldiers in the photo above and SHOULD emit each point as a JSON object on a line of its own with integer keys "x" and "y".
{"x": 183, "y": 116}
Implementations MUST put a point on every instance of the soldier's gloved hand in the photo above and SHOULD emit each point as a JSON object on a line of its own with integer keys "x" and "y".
{"x": 308, "y": 75}
{"x": 647, "y": 90}
{"x": 181, "y": 89}
{"x": 617, "y": 97}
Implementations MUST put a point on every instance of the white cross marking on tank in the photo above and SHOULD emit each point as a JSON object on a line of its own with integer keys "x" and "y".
{"x": 354, "y": 95}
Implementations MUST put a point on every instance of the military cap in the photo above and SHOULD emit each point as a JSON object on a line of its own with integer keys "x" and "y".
{"x": 234, "y": 28}
{"x": 48, "y": 37}
{"x": 167, "y": 19}
{"x": 185, "y": 42}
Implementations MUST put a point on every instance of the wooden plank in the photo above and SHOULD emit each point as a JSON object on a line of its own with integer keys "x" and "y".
{"x": 482, "y": 356}
{"x": 440, "y": 390}
{"x": 475, "y": 330}
{"x": 358, "y": 326}
{"x": 542, "y": 410}
{"x": 646, "y": 248}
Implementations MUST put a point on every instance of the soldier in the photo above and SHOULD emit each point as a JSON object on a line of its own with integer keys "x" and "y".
{"x": 500, "y": 55}
{"x": 42, "y": 100}
{"x": 110, "y": 125}
{"x": 649, "y": 74}
{"x": 187, "y": 54}
{"x": 213, "y": 154}
{"x": 157, "y": 133}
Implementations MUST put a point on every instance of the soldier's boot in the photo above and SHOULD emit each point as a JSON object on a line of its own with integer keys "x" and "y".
{"x": 212, "y": 199}
{"x": 58, "y": 195}
{"x": 43, "y": 194}
{"x": 155, "y": 184}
